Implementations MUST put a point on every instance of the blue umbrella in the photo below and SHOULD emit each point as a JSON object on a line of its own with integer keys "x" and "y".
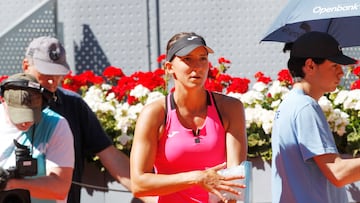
{"x": 339, "y": 18}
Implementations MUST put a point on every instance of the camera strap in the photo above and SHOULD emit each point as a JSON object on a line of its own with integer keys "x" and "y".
{"x": 11, "y": 148}
{"x": 32, "y": 139}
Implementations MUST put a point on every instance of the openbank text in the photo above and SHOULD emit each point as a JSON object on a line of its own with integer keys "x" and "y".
{"x": 339, "y": 8}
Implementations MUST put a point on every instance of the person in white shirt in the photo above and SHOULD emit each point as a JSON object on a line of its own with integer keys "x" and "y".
{"x": 25, "y": 119}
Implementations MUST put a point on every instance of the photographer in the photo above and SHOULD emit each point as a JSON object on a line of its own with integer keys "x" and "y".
{"x": 25, "y": 121}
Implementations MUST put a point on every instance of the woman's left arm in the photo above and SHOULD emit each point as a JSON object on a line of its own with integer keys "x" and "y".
{"x": 233, "y": 115}
{"x": 235, "y": 128}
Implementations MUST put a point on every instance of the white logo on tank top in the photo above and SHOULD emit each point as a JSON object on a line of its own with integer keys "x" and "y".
{"x": 173, "y": 133}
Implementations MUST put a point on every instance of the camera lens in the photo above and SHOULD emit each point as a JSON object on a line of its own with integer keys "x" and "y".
{"x": 13, "y": 198}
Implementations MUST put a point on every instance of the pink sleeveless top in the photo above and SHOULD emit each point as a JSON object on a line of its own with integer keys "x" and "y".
{"x": 181, "y": 150}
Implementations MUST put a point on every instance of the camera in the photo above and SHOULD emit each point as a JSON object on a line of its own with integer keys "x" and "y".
{"x": 25, "y": 166}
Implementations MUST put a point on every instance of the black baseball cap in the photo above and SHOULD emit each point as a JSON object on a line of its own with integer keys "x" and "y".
{"x": 319, "y": 45}
{"x": 185, "y": 45}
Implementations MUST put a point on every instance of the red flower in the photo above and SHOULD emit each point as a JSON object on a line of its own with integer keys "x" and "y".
{"x": 89, "y": 78}
{"x": 265, "y": 80}
{"x": 70, "y": 82}
{"x": 239, "y": 85}
{"x": 161, "y": 58}
{"x": 356, "y": 71}
{"x": 210, "y": 65}
{"x": 213, "y": 72}
{"x": 81, "y": 81}
{"x": 285, "y": 78}
{"x": 355, "y": 85}
{"x": 132, "y": 100}
{"x": 258, "y": 75}
{"x": 159, "y": 72}
{"x": 112, "y": 72}
{"x": 123, "y": 87}
{"x": 222, "y": 60}
{"x": 213, "y": 85}
{"x": 224, "y": 79}
{"x": 149, "y": 80}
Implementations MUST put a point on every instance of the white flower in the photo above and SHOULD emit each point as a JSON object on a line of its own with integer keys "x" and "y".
{"x": 252, "y": 97}
{"x": 105, "y": 86}
{"x": 106, "y": 107}
{"x": 235, "y": 95}
{"x": 110, "y": 97}
{"x": 267, "y": 120}
{"x": 275, "y": 104}
{"x": 154, "y": 96}
{"x": 338, "y": 120}
{"x": 260, "y": 116}
{"x": 259, "y": 86}
{"x": 352, "y": 100}
{"x": 277, "y": 89}
{"x": 139, "y": 91}
{"x": 124, "y": 139}
{"x": 251, "y": 116}
{"x": 325, "y": 104}
{"x": 123, "y": 122}
{"x": 94, "y": 97}
{"x": 98, "y": 101}
{"x": 134, "y": 110}
{"x": 341, "y": 96}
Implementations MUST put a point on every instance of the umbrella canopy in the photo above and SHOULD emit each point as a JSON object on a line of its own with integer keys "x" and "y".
{"x": 339, "y": 18}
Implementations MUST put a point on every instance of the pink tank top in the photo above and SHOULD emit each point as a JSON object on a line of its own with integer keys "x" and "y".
{"x": 179, "y": 150}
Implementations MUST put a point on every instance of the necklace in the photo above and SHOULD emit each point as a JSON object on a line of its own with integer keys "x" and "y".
{"x": 196, "y": 134}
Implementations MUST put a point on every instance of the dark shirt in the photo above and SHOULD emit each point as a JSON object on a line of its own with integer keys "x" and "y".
{"x": 89, "y": 136}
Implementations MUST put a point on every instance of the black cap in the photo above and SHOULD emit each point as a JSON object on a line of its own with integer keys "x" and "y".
{"x": 319, "y": 45}
{"x": 185, "y": 45}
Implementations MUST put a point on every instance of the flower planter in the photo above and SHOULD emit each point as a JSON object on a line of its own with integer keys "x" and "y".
{"x": 261, "y": 180}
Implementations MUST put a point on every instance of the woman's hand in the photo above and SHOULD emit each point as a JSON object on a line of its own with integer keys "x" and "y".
{"x": 213, "y": 182}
